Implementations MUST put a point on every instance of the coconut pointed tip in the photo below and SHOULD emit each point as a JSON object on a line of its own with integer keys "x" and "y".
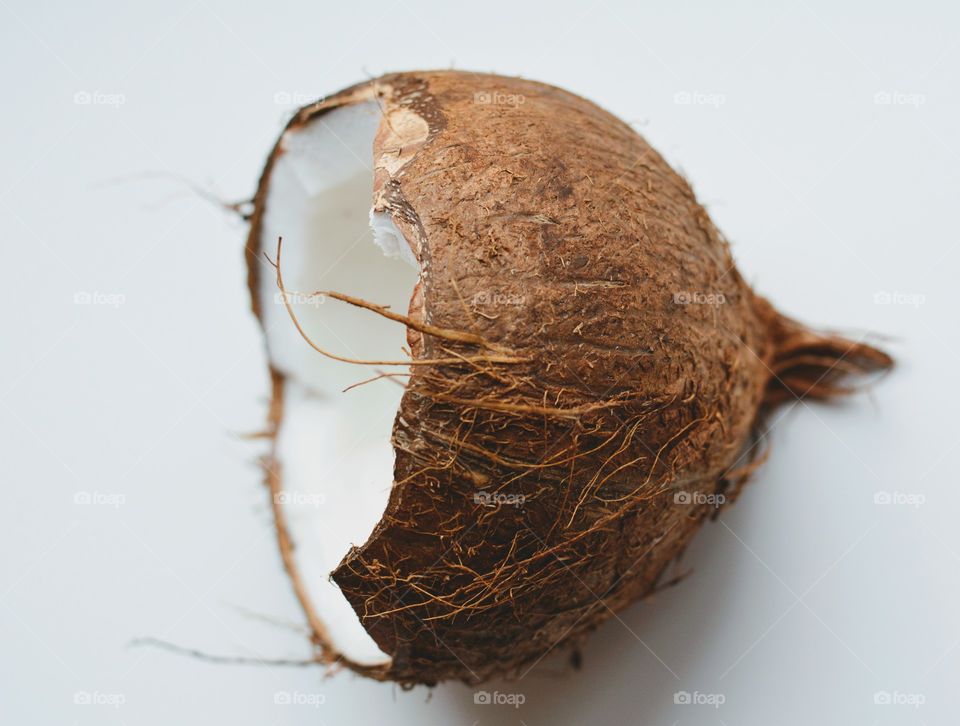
{"x": 821, "y": 366}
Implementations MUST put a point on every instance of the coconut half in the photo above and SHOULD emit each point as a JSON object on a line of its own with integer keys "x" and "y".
{"x": 582, "y": 370}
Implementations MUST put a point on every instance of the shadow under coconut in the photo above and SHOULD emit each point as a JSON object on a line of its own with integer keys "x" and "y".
{"x": 632, "y": 666}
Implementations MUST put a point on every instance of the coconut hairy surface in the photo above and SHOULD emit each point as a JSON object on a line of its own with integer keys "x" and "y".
{"x": 588, "y": 370}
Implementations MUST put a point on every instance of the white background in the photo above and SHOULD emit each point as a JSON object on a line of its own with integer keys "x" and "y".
{"x": 806, "y": 599}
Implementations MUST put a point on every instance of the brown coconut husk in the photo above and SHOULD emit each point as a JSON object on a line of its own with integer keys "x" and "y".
{"x": 613, "y": 410}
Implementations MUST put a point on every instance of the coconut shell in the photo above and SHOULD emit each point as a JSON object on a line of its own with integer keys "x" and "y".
{"x": 559, "y": 458}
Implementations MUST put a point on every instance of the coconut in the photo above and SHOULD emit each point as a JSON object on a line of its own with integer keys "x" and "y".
{"x": 565, "y": 372}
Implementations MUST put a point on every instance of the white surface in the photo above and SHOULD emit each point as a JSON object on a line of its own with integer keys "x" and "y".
{"x": 806, "y": 598}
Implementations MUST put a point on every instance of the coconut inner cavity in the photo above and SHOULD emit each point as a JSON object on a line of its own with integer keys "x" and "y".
{"x": 333, "y": 447}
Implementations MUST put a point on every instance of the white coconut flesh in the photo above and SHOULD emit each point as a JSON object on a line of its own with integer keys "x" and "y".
{"x": 333, "y": 447}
